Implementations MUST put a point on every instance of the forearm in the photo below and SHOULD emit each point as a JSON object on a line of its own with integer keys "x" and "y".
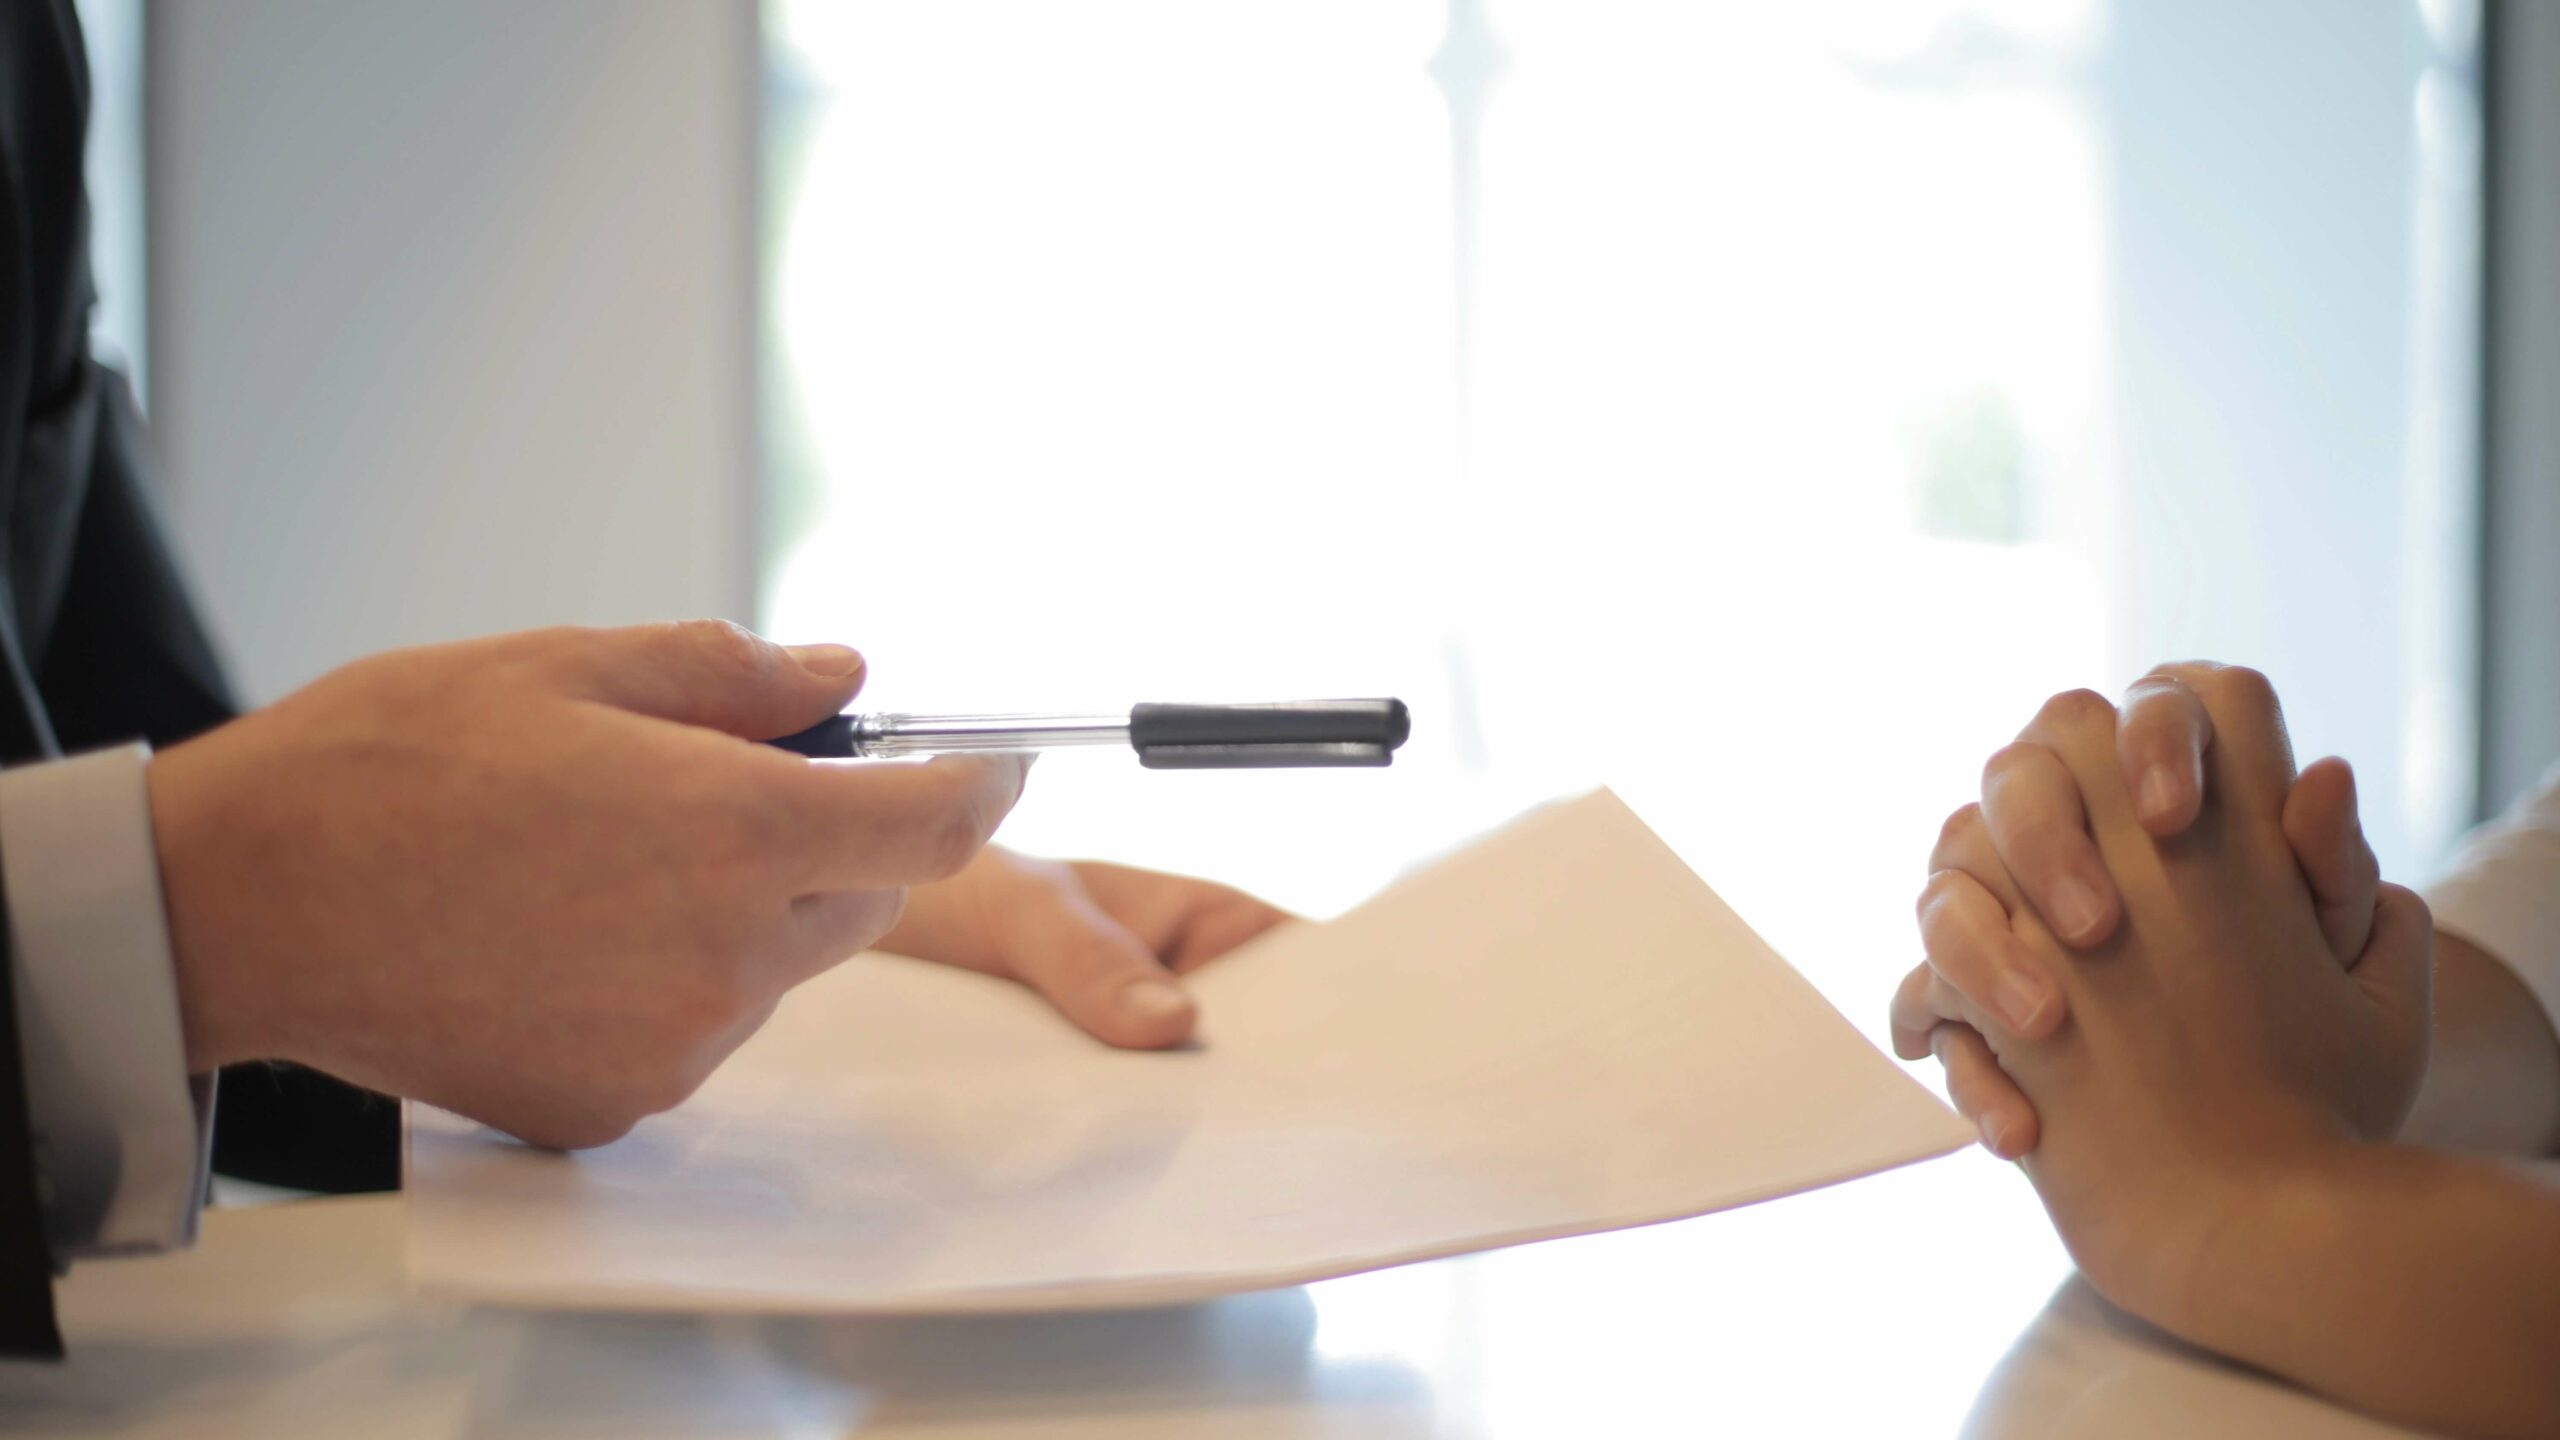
{"x": 2493, "y": 1076}
{"x": 2419, "y": 1285}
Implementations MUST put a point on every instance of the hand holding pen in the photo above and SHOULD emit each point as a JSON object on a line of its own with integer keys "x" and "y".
{"x": 1303, "y": 734}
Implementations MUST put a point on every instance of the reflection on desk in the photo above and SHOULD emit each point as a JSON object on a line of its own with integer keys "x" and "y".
{"x": 2084, "y": 1370}
{"x": 1805, "y": 1317}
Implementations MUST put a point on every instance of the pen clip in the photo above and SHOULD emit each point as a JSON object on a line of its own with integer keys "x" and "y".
{"x": 1262, "y": 757}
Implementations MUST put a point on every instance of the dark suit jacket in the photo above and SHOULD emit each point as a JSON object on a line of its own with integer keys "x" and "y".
{"x": 99, "y": 643}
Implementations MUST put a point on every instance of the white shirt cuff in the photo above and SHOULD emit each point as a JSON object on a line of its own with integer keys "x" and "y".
{"x": 2503, "y": 892}
{"x": 121, "y": 1132}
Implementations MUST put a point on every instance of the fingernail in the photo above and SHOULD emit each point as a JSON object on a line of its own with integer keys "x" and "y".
{"x": 832, "y": 661}
{"x": 2021, "y": 1000}
{"x": 2159, "y": 794}
{"x": 2076, "y": 907}
{"x": 1152, "y": 1002}
{"x": 1995, "y": 1136}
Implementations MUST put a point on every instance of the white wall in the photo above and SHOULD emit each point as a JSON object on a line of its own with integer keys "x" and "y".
{"x": 452, "y": 312}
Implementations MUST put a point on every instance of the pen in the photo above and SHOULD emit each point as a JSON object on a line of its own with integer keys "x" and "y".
{"x": 1167, "y": 737}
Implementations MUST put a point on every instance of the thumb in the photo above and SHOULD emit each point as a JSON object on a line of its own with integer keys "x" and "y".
{"x": 717, "y": 675}
{"x": 1098, "y": 974}
{"x": 2397, "y": 967}
{"x": 2322, "y": 826}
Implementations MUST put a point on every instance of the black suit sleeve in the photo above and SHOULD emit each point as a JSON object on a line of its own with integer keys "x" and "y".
{"x": 27, "y": 1325}
{"x": 125, "y": 657}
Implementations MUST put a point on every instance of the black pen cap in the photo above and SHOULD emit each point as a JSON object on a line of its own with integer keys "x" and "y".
{"x": 1308, "y": 732}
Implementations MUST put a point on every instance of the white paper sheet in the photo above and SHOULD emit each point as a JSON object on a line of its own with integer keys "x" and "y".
{"x": 1558, "y": 1030}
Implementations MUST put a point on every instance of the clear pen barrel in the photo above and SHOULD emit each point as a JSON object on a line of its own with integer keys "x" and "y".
{"x": 883, "y": 736}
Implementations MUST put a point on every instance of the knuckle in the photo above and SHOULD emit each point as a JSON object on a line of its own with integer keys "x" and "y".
{"x": 727, "y": 646}
{"x": 2157, "y": 702}
{"x": 2028, "y": 808}
{"x": 2015, "y": 758}
{"x": 1959, "y": 827}
{"x": 2076, "y": 709}
{"x": 2242, "y": 686}
{"x": 1957, "y": 957}
{"x": 2190, "y": 673}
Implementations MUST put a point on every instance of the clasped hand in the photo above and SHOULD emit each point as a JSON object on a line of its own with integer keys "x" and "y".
{"x": 2161, "y": 966}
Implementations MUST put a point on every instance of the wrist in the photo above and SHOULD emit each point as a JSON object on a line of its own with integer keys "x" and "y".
{"x": 2231, "y": 1272}
{"x": 221, "y": 1011}
{"x": 2157, "y": 1215}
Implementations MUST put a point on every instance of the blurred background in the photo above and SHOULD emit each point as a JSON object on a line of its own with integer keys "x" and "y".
{"x": 1756, "y": 408}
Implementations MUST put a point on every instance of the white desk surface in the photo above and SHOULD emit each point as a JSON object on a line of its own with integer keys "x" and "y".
{"x": 1796, "y": 1318}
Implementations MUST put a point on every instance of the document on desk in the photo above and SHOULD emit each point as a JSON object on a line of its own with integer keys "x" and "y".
{"x": 1556, "y": 1031}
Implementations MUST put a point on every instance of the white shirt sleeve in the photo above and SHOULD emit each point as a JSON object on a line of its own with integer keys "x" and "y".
{"x": 121, "y": 1131}
{"x": 2503, "y": 892}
